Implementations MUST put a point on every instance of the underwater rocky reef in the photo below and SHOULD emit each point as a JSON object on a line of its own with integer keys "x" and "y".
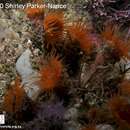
{"x": 65, "y": 68}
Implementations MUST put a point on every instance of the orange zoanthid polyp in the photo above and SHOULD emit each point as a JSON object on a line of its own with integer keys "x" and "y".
{"x": 50, "y": 74}
{"x": 14, "y": 97}
{"x": 80, "y": 33}
{"x": 54, "y": 26}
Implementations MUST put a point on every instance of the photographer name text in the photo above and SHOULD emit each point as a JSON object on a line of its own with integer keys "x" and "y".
{"x": 32, "y": 5}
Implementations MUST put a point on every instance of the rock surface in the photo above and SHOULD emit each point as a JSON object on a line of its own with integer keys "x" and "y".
{"x": 104, "y": 127}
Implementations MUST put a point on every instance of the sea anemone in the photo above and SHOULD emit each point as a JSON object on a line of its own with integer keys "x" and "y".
{"x": 34, "y": 13}
{"x": 54, "y": 28}
{"x": 119, "y": 46}
{"x": 50, "y": 74}
{"x": 14, "y": 97}
{"x": 79, "y": 32}
{"x": 49, "y": 116}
